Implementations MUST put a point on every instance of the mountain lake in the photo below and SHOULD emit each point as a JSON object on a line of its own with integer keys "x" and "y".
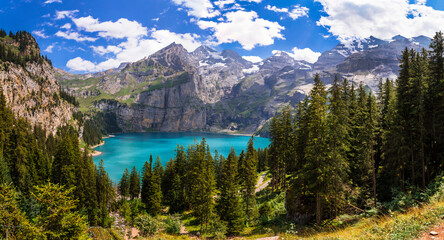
{"x": 132, "y": 149}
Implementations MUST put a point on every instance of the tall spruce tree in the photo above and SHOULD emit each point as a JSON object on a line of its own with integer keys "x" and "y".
{"x": 134, "y": 184}
{"x": 124, "y": 184}
{"x": 201, "y": 182}
{"x": 315, "y": 169}
{"x": 228, "y": 202}
{"x": 248, "y": 181}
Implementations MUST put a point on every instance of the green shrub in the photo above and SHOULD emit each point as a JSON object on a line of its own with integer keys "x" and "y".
{"x": 147, "y": 225}
{"x": 172, "y": 225}
{"x": 218, "y": 228}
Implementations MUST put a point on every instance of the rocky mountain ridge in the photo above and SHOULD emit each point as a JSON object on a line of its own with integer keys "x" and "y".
{"x": 29, "y": 84}
{"x": 206, "y": 90}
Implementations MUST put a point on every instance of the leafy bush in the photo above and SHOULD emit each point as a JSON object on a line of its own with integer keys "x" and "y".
{"x": 147, "y": 225}
{"x": 218, "y": 228}
{"x": 172, "y": 225}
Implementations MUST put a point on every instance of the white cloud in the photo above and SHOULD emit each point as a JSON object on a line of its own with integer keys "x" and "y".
{"x": 276, "y": 9}
{"x": 40, "y": 33}
{"x": 295, "y": 13}
{"x": 253, "y": 59}
{"x": 244, "y": 27}
{"x": 298, "y": 12}
{"x": 52, "y": 1}
{"x": 122, "y": 28}
{"x": 256, "y": 1}
{"x": 355, "y": 19}
{"x": 78, "y": 64}
{"x": 109, "y": 49}
{"x": 421, "y": 2}
{"x": 75, "y": 36}
{"x": 49, "y": 48}
{"x": 305, "y": 54}
{"x": 65, "y": 14}
{"x": 134, "y": 49}
{"x": 221, "y": 3}
{"x": 66, "y": 26}
{"x": 198, "y": 8}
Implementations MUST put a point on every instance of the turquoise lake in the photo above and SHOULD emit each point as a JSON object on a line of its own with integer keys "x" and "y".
{"x": 133, "y": 149}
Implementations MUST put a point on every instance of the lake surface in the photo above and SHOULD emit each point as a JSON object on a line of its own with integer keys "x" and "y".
{"x": 133, "y": 149}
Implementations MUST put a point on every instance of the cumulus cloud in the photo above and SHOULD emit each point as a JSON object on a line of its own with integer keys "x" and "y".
{"x": 296, "y": 12}
{"x": 276, "y": 9}
{"x": 253, "y": 59}
{"x": 52, "y": 1}
{"x": 305, "y": 54}
{"x": 198, "y": 8}
{"x": 245, "y": 28}
{"x": 351, "y": 19}
{"x": 134, "y": 49}
{"x": 49, "y": 48}
{"x": 66, "y": 26}
{"x": 75, "y": 36}
{"x": 78, "y": 64}
{"x": 40, "y": 33}
{"x": 122, "y": 28}
{"x": 65, "y": 14}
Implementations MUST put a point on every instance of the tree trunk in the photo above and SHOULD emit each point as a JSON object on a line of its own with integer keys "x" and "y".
{"x": 318, "y": 208}
{"x": 413, "y": 159}
{"x": 422, "y": 158}
{"x": 374, "y": 174}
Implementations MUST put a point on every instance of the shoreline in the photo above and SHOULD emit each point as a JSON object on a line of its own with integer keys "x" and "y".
{"x": 96, "y": 153}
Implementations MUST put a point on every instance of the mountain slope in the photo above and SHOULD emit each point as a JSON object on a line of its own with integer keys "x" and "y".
{"x": 29, "y": 84}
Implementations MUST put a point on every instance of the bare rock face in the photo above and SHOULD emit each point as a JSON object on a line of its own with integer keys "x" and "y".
{"x": 33, "y": 92}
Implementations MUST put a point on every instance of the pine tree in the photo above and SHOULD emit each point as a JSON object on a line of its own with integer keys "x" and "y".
{"x": 201, "y": 182}
{"x": 315, "y": 169}
{"x": 228, "y": 203}
{"x": 371, "y": 129}
{"x": 338, "y": 125}
{"x": 248, "y": 181}
{"x": 151, "y": 189}
{"x": 124, "y": 184}
{"x": 283, "y": 157}
{"x": 134, "y": 184}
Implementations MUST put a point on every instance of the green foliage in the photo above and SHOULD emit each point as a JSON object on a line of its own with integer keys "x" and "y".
{"x": 218, "y": 228}
{"x": 124, "y": 184}
{"x": 248, "y": 180}
{"x": 57, "y": 218}
{"x": 12, "y": 220}
{"x": 151, "y": 187}
{"x": 201, "y": 182}
{"x": 172, "y": 225}
{"x": 134, "y": 184}
{"x": 228, "y": 203}
{"x": 147, "y": 225}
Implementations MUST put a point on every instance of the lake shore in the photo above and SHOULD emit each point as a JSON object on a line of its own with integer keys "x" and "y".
{"x": 95, "y": 153}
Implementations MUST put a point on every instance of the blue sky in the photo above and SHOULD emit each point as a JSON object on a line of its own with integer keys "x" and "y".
{"x": 88, "y": 36}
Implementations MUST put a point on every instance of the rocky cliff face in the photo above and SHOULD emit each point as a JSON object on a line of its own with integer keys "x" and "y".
{"x": 31, "y": 89}
{"x": 174, "y": 90}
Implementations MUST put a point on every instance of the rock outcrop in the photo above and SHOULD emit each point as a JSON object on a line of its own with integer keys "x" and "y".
{"x": 31, "y": 89}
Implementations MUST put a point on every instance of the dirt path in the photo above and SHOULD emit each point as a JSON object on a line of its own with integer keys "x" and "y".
{"x": 269, "y": 238}
{"x": 261, "y": 184}
{"x": 436, "y": 232}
